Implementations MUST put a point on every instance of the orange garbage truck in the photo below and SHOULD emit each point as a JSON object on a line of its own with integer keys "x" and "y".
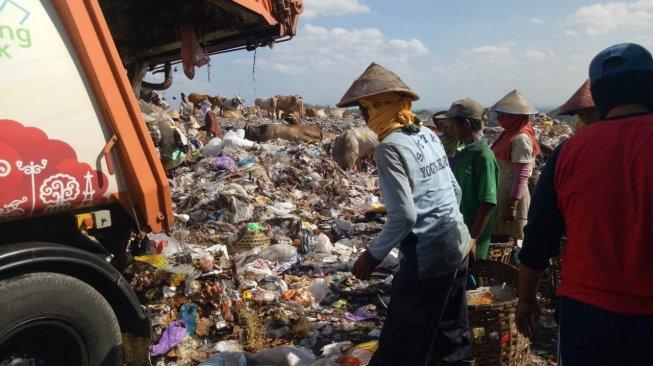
{"x": 80, "y": 180}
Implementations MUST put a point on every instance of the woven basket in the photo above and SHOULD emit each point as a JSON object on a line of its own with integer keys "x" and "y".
{"x": 495, "y": 340}
{"x": 501, "y": 252}
{"x": 250, "y": 240}
{"x": 551, "y": 278}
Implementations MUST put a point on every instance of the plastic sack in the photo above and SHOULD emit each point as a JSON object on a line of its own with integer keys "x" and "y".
{"x": 213, "y": 147}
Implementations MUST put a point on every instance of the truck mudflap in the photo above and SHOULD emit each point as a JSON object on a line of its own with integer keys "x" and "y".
{"x": 20, "y": 258}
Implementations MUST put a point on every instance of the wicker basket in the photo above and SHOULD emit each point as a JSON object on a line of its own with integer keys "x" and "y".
{"x": 501, "y": 252}
{"x": 250, "y": 240}
{"x": 551, "y": 278}
{"x": 495, "y": 340}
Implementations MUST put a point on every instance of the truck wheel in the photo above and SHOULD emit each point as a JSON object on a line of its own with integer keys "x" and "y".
{"x": 54, "y": 319}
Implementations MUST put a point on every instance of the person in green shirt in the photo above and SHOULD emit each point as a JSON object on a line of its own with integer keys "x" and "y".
{"x": 449, "y": 140}
{"x": 477, "y": 173}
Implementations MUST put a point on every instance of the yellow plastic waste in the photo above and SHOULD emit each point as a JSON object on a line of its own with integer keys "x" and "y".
{"x": 247, "y": 295}
{"x": 379, "y": 208}
{"x": 157, "y": 260}
{"x": 308, "y": 226}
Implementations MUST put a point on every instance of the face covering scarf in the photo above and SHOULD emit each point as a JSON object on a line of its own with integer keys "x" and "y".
{"x": 387, "y": 112}
{"x": 513, "y": 125}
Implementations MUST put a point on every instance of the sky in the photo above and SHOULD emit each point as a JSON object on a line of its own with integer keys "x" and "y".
{"x": 444, "y": 50}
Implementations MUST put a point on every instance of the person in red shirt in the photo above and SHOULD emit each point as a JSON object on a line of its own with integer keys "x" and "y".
{"x": 598, "y": 186}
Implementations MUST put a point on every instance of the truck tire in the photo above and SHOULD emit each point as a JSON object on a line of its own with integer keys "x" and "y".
{"x": 54, "y": 319}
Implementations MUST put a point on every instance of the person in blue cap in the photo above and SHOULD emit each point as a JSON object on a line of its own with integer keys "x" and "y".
{"x": 598, "y": 186}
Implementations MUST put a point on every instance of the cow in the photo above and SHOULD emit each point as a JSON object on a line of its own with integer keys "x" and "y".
{"x": 337, "y": 113}
{"x": 252, "y": 111}
{"x": 232, "y": 114}
{"x": 197, "y": 99}
{"x": 353, "y": 145}
{"x": 293, "y": 133}
{"x": 233, "y": 104}
{"x": 288, "y": 104}
{"x": 267, "y": 104}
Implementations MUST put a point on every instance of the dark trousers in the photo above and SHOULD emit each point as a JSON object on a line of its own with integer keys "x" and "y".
{"x": 427, "y": 319}
{"x": 592, "y": 336}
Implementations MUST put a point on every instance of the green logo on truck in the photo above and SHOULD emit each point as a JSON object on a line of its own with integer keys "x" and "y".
{"x": 16, "y": 35}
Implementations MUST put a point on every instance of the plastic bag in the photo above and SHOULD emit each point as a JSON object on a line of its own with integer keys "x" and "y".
{"x": 223, "y": 163}
{"x": 237, "y": 139}
{"x": 281, "y": 209}
{"x": 278, "y": 253}
{"x": 284, "y": 356}
{"x": 171, "y": 337}
{"x": 257, "y": 270}
{"x": 213, "y": 148}
{"x": 323, "y": 244}
{"x": 188, "y": 314}
{"x": 319, "y": 289}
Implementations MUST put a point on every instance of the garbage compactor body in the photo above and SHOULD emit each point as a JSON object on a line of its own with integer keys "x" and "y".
{"x": 79, "y": 174}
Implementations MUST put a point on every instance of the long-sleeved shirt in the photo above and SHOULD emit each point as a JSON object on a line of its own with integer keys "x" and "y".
{"x": 422, "y": 197}
{"x": 599, "y": 186}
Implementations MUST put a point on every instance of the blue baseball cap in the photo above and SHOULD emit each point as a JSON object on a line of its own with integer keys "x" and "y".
{"x": 620, "y": 59}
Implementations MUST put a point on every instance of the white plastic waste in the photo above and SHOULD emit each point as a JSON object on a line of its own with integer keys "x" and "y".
{"x": 213, "y": 147}
{"x": 319, "y": 289}
{"x": 284, "y": 356}
{"x": 323, "y": 244}
{"x": 237, "y": 139}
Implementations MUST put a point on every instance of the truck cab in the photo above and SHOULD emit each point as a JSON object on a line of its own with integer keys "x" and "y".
{"x": 81, "y": 181}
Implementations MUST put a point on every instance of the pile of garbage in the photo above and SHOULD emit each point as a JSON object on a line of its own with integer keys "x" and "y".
{"x": 257, "y": 268}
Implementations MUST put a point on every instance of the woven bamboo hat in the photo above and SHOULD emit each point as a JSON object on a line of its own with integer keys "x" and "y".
{"x": 375, "y": 80}
{"x": 514, "y": 103}
{"x": 582, "y": 99}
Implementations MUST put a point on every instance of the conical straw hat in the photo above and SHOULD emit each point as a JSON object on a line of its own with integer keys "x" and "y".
{"x": 375, "y": 80}
{"x": 582, "y": 99}
{"x": 514, "y": 103}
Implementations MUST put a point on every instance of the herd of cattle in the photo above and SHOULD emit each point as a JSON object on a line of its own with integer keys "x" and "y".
{"x": 347, "y": 148}
{"x": 288, "y": 107}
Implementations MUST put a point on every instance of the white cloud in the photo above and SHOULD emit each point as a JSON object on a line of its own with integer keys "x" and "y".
{"x": 571, "y": 33}
{"x": 539, "y": 56}
{"x": 315, "y": 8}
{"x": 319, "y": 48}
{"x": 598, "y": 19}
{"x": 491, "y": 54}
{"x": 536, "y": 21}
{"x": 264, "y": 64}
{"x": 406, "y": 49}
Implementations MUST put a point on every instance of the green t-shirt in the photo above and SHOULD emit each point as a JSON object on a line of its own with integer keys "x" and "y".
{"x": 477, "y": 173}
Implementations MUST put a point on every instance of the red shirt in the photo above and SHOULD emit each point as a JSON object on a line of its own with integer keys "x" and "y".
{"x": 604, "y": 186}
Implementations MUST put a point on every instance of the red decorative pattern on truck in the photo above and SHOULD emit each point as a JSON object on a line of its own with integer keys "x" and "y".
{"x": 40, "y": 176}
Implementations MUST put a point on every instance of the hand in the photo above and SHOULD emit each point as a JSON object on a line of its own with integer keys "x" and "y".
{"x": 511, "y": 214}
{"x": 527, "y": 317}
{"x": 363, "y": 268}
